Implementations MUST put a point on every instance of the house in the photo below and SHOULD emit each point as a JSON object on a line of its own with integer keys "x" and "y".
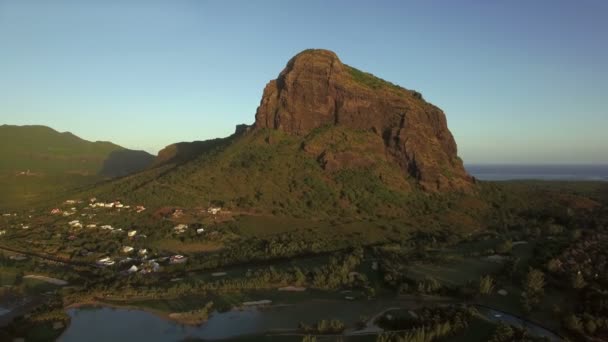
{"x": 214, "y": 210}
{"x": 142, "y": 251}
{"x": 178, "y": 213}
{"x": 180, "y": 228}
{"x": 91, "y": 226}
{"x": 200, "y": 230}
{"x": 177, "y": 259}
{"x": 133, "y": 269}
{"x": 70, "y": 202}
{"x": 2, "y": 232}
{"x": 105, "y": 262}
{"x": 107, "y": 226}
{"x": 93, "y": 199}
{"x": 109, "y": 205}
{"x": 75, "y": 224}
{"x": 132, "y": 233}
{"x": 127, "y": 249}
{"x": 55, "y": 211}
{"x": 139, "y": 208}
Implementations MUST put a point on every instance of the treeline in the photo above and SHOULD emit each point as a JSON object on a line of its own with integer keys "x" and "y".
{"x": 426, "y": 325}
{"x": 332, "y": 326}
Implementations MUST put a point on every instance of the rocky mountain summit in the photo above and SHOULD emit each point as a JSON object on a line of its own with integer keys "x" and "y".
{"x": 316, "y": 90}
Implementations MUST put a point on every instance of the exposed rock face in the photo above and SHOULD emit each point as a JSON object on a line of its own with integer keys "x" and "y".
{"x": 316, "y": 89}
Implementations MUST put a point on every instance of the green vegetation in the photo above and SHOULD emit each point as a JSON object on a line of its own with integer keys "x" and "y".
{"x": 370, "y": 80}
{"x": 40, "y": 164}
{"x": 323, "y": 327}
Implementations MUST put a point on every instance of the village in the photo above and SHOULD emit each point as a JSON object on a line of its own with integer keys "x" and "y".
{"x": 77, "y": 222}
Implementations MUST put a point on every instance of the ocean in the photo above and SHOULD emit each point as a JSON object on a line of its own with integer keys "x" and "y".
{"x": 496, "y": 172}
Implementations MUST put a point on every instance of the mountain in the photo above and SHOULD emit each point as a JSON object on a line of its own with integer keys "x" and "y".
{"x": 316, "y": 89}
{"x": 37, "y": 160}
{"x": 327, "y": 140}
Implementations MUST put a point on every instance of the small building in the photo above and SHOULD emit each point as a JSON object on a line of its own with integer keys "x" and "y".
{"x": 214, "y": 210}
{"x": 105, "y": 262}
{"x": 56, "y": 211}
{"x": 75, "y": 224}
{"x": 200, "y": 230}
{"x": 132, "y": 233}
{"x": 127, "y": 249}
{"x": 177, "y": 259}
{"x": 180, "y": 228}
{"x": 133, "y": 269}
{"x": 142, "y": 251}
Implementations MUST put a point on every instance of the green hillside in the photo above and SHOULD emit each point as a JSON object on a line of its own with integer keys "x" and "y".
{"x": 269, "y": 172}
{"x": 38, "y": 162}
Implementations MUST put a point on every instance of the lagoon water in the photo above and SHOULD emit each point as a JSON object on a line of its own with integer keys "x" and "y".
{"x": 496, "y": 172}
{"x": 96, "y": 324}
{"x": 109, "y": 324}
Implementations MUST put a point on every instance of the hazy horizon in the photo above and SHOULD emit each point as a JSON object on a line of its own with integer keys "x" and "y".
{"x": 520, "y": 83}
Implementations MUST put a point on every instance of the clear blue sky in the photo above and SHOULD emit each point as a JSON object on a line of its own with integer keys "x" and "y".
{"x": 520, "y": 81}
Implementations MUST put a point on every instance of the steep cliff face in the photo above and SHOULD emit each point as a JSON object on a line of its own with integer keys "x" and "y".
{"x": 316, "y": 89}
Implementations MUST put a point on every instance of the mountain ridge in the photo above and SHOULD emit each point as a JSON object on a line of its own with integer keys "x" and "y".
{"x": 323, "y": 168}
{"x": 316, "y": 89}
{"x": 38, "y": 160}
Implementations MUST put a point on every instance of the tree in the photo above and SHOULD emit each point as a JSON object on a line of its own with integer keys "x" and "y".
{"x": 573, "y": 323}
{"x": 554, "y": 265}
{"x": 309, "y": 338}
{"x": 504, "y": 247}
{"x": 534, "y": 285}
{"x": 502, "y": 333}
{"x": 19, "y": 278}
{"x": 578, "y": 281}
{"x": 486, "y": 285}
{"x": 535, "y": 282}
{"x": 590, "y": 327}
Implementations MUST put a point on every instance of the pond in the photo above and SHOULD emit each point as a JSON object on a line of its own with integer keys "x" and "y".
{"x": 106, "y": 324}
{"x": 94, "y": 324}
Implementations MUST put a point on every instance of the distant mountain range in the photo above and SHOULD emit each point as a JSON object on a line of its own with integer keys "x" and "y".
{"x": 38, "y": 161}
